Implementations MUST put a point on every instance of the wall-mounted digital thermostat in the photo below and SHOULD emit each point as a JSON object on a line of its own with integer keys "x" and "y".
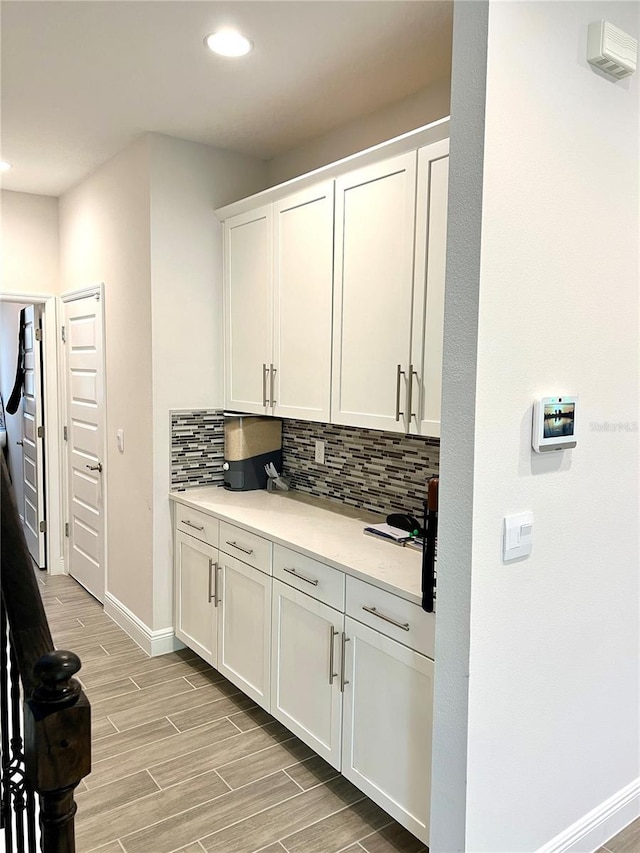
{"x": 554, "y": 424}
{"x": 611, "y": 49}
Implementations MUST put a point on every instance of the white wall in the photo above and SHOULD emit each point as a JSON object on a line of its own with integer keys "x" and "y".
{"x": 455, "y": 525}
{"x": 105, "y": 236}
{"x": 188, "y": 181}
{"x": 29, "y": 261}
{"x": 553, "y": 654}
{"x": 414, "y": 111}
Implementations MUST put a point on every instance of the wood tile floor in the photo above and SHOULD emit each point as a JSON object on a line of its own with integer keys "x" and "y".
{"x": 627, "y": 841}
{"x": 182, "y": 761}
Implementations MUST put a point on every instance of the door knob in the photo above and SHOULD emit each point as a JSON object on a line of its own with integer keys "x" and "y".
{"x": 20, "y": 443}
{"x": 97, "y": 467}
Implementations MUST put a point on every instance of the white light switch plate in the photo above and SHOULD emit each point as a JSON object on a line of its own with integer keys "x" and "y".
{"x": 517, "y": 536}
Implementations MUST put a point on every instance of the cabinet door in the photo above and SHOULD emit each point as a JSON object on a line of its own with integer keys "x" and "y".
{"x": 303, "y": 281}
{"x": 388, "y": 709}
{"x": 195, "y": 608}
{"x": 247, "y": 289}
{"x": 374, "y": 239}
{"x": 244, "y": 628}
{"x": 428, "y": 299}
{"x": 305, "y": 674}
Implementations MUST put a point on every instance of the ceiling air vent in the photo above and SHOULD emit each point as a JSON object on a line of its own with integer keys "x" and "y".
{"x": 612, "y": 50}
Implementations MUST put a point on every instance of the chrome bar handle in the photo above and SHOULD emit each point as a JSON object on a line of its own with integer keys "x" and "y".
{"x": 332, "y": 635}
{"x": 412, "y": 373}
{"x": 399, "y": 376}
{"x": 216, "y": 597}
{"x": 210, "y": 594}
{"x": 265, "y": 402}
{"x": 302, "y": 577}
{"x": 343, "y": 655}
{"x": 272, "y": 371}
{"x": 374, "y": 612}
{"x": 191, "y": 524}
{"x": 240, "y": 548}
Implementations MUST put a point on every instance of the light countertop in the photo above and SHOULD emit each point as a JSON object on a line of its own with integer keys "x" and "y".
{"x": 327, "y": 532}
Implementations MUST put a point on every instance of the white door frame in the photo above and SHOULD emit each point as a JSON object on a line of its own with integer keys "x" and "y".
{"x": 51, "y": 409}
{"x": 72, "y": 296}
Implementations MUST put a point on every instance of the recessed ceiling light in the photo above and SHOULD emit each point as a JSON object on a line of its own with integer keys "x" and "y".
{"x": 4, "y": 167}
{"x": 229, "y": 43}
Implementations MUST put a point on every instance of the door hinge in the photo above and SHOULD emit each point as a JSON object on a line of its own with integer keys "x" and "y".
{"x": 65, "y": 433}
{"x": 43, "y": 527}
{"x": 64, "y": 337}
{"x": 66, "y": 528}
{"x": 40, "y": 432}
{"x": 38, "y": 334}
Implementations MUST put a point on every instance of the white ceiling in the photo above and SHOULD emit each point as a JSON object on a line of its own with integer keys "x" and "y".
{"x": 82, "y": 79}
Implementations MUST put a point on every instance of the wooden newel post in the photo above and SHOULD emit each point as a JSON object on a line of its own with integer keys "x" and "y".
{"x": 57, "y": 721}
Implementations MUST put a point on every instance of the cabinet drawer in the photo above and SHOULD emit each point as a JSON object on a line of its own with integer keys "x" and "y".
{"x": 198, "y": 524}
{"x": 248, "y": 547}
{"x": 391, "y": 615}
{"x": 310, "y": 576}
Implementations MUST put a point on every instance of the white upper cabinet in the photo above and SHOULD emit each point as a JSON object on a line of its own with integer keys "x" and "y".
{"x": 428, "y": 292}
{"x": 303, "y": 280}
{"x": 334, "y": 298}
{"x": 248, "y": 284}
{"x": 374, "y": 247}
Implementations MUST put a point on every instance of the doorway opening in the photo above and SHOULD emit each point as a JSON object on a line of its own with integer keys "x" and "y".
{"x": 29, "y": 371}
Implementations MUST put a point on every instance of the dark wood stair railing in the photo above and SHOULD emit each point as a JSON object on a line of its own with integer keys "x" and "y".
{"x": 46, "y": 732}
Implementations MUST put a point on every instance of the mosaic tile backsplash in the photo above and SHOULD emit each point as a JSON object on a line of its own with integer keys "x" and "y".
{"x": 377, "y": 471}
{"x": 197, "y": 448}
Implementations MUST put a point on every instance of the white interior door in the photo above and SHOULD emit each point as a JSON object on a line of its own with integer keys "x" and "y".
{"x": 33, "y": 438}
{"x": 85, "y": 440}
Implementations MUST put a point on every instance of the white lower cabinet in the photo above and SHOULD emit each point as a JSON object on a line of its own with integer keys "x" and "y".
{"x": 195, "y": 605}
{"x": 388, "y": 712}
{"x": 244, "y": 628}
{"x": 355, "y": 690}
{"x": 305, "y": 679}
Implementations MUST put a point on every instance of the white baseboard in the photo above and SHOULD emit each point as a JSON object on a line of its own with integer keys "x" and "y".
{"x": 154, "y": 643}
{"x": 58, "y": 567}
{"x": 599, "y": 825}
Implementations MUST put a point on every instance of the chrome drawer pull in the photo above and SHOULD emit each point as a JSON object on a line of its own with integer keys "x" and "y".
{"x": 343, "y": 680}
{"x": 293, "y": 572}
{"x": 240, "y": 548}
{"x": 374, "y": 612}
{"x": 332, "y": 634}
{"x": 191, "y": 524}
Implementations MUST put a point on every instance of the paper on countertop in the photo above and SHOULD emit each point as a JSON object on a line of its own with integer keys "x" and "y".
{"x": 388, "y": 532}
